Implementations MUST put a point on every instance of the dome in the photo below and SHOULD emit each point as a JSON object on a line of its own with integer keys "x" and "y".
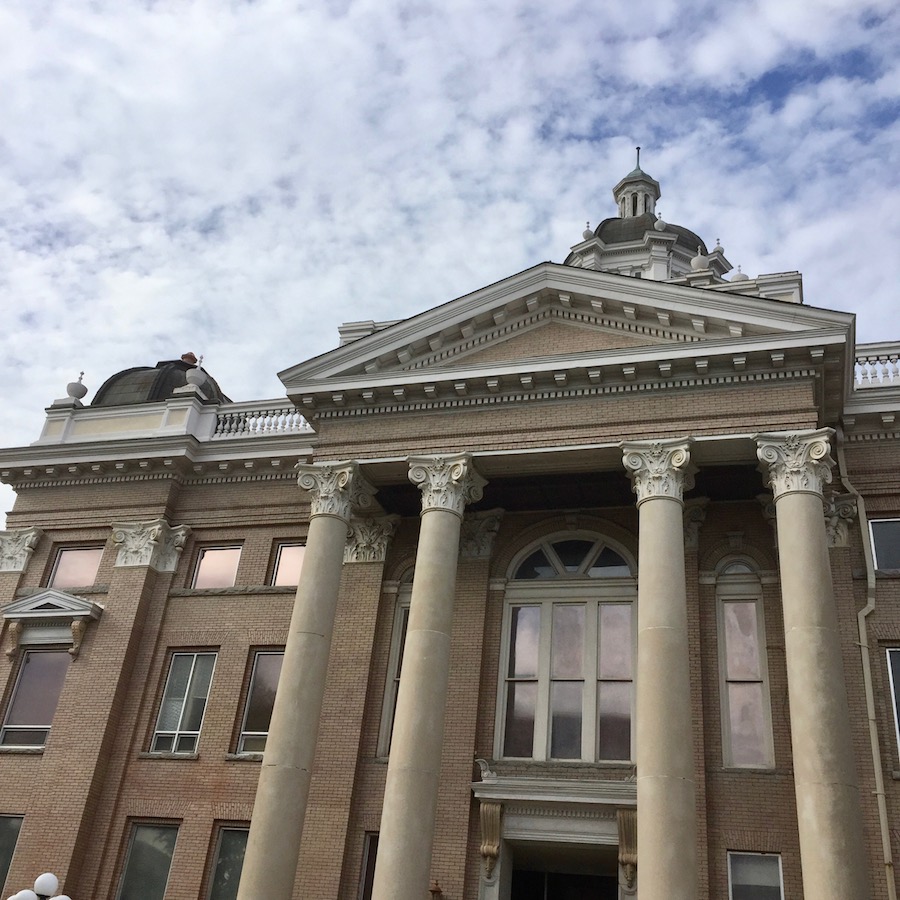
{"x": 632, "y": 228}
{"x": 145, "y": 384}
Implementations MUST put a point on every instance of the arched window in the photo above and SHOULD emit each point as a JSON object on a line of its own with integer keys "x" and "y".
{"x": 634, "y": 204}
{"x": 744, "y": 683}
{"x": 566, "y": 686}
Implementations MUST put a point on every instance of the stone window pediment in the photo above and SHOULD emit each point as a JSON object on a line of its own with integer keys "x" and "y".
{"x": 50, "y": 616}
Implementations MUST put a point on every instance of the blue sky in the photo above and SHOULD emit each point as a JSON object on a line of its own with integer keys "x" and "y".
{"x": 239, "y": 178}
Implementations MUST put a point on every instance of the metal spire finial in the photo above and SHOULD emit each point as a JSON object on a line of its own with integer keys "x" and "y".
{"x": 638, "y": 157}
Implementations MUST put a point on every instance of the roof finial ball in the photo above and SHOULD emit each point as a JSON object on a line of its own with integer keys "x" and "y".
{"x": 587, "y": 234}
{"x": 700, "y": 262}
{"x": 75, "y": 389}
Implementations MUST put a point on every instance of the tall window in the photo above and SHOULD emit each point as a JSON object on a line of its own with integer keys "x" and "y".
{"x": 893, "y": 660}
{"x": 288, "y": 560}
{"x": 367, "y": 875}
{"x": 216, "y": 567}
{"x": 754, "y": 876}
{"x": 9, "y": 834}
{"x": 75, "y": 567}
{"x": 567, "y": 683}
{"x": 34, "y": 698}
{"x": 395, "y": 663}
{"x": 183, "y": 703}
{"x": 746, "y": 713}
{"x": 260, "y": 700}
{"x": 148, "y": 862}
{"x": 231, "y": 844}
{"x": 886, "y": 541}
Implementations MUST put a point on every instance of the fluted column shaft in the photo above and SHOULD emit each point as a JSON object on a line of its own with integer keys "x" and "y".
{"x": 829, "y": 816}
{"x": 273, "y": 845}
{"x": 666, "y": 788}
{"x": 403, "y": 866}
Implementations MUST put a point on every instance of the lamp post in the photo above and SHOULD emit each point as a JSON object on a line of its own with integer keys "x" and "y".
{"x": 45, "y": 888}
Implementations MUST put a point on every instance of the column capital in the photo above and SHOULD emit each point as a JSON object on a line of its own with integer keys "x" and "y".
{"x": 335, "y": 489}
{"x": 16, "y": 547}
{"x": 156, "y": 544}
{"x": 447, "y": 482}
{"x": 478, "y": 532}
{"x": 797, "y": 462}
{"x": 659, "y": 468}
{"x": 368, "y": 539}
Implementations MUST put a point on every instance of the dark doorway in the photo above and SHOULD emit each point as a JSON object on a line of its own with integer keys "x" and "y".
{"x": 528, "y": 885}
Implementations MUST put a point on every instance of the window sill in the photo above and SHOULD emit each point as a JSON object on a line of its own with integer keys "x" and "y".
{"x": 243, "y": 757}
{"x": 234, "y": 591}
{"x": 22, "y": 751}
{"x": 146, "y": 754}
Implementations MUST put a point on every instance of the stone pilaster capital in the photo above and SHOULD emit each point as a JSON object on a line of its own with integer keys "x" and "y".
{"x": 16, "y": 547}
{"x": 156, "y": 544}
{"x": 447, "y": 482}
{"x": 335, "y": 489}
{"x": 693, "y": 517}
{"x": 659, "y": 468}
{"x": 478, "y": 532}
{"x": 840, "y": 511}
{"x": 796, "y": 462}
{"x": 368, "y": 539}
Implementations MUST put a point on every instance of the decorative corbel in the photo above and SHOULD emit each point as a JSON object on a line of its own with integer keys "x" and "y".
{"x": 16, "y": 627}
{"x": 79, "y": 627}
{"x": 627, "y": 822}
{"x": 490, "y": 835}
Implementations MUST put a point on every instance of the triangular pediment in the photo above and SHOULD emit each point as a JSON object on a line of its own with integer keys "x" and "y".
{"x": 560, "y": 325}
{"x": 52, "y": 605}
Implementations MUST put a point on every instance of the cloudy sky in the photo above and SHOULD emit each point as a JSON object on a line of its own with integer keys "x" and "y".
{"x": 239, "y": 178}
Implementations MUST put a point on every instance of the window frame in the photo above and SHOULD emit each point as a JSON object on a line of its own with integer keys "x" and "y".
{"x": 872, "y": 530}
{"x": 733, "y": 853}
{"x": 134, "y": 825}
{"x": 218, "y": 830}
{"x": 58, "y": 554}
{"x": 4, "y": 872}
{"x": 14, "y": 692}
{"x": 279, "y": 547}
{"x": 736, "y": 587}
{"x": 201, "y": 554}
{"x": 392, "y": 676}
{"x": 895, "y": 693}
{"x": 243, "y": 733}
{"x": 370, "y": 851}
{"x": 566, "y": 589}
{"x": 179, "y": 732}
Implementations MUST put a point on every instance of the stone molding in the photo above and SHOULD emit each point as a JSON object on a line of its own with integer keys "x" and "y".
{"x": 49, "y": 617}
{"x": 478, "y": 532}
{"x": 156, "y": 544}
{"x": 628, "y": 858}
{"x": 796, "y": 462}
{"x": 490, "y": 815}
{"x": 16, "y": 547}
{"x": 335, "y": 489}
{"x": 659, "y": 468}
{"x": 840, "y": 511}
{"x": 447, "y": 483}
{"x": 368, "y": 539}
{"x": 693, "y": 516}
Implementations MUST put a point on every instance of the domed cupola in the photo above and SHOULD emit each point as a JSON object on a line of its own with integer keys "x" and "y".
{"x": 636, "y": 194}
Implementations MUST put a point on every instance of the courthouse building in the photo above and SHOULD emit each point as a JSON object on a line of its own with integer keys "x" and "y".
{"x": 590, "y": 588}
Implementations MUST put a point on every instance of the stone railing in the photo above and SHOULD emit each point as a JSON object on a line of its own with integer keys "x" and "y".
{"x": 877, "y": 365}
{"x": 252, "y": 420}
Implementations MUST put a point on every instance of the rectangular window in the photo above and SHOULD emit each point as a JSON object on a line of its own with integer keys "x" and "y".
{"x": 216, "y": 567}
{"x": 367, "y": 875}
{"x": 260, "y": 700}
{"x": 183, "y": 703}
{"x": 395, "y": 663}
{"x": 35, "y": 698}
{"x": 9, "y": 834}
{"x": 893, "y": 659}
{"x": 75, "y": 567}
{"x": 231, "y": 844}
{"x": 148, "y": 862}
{"x": 288, "y": 561}
{"x": 886, "y": 542}
{"x": 754, "y": 876}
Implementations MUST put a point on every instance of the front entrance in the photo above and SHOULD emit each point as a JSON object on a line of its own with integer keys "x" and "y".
{"x": 527, "y": 885}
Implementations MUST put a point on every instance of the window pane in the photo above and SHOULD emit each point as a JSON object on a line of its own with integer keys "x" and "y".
{"x": 886, "y": 537}
{"x": 565, "y": 719}
{"x": 519, "y": 734}
{"x": 615, "y": 639}
{"x": 572, "y": 553}
{"x": 76, "y": 567}
{"x": 36, "y": 696}
{"x": 217, "y": 567}
{"x": 567, "y": 639}
{"x": 229, "y": 862}
{"x": 614, "y": 720}
{"x": 536, "y": 566}
{"x": 149, "y": 859}
{"x": 195, "y": 703}
{"x": 608, "y": 565}
{"x": 523, "y": 641}
{"x": 370, "y": 853}
{"x": 748, "y": 725}
{"x": 287, "y": 566}
{"x": 755, "y": 876}
{"x": 9, "y": 834}
{"x": 266, "y": 670}
{"x": 741, "y": 640}
{"x": 176, "y": 691}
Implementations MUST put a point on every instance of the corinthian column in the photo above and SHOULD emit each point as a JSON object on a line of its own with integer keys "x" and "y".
{"x": 829, "y": 817}
{"x": 410, "y": 795}
{"x": 270, "y": 863}
{"x": 666, "y": 789}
